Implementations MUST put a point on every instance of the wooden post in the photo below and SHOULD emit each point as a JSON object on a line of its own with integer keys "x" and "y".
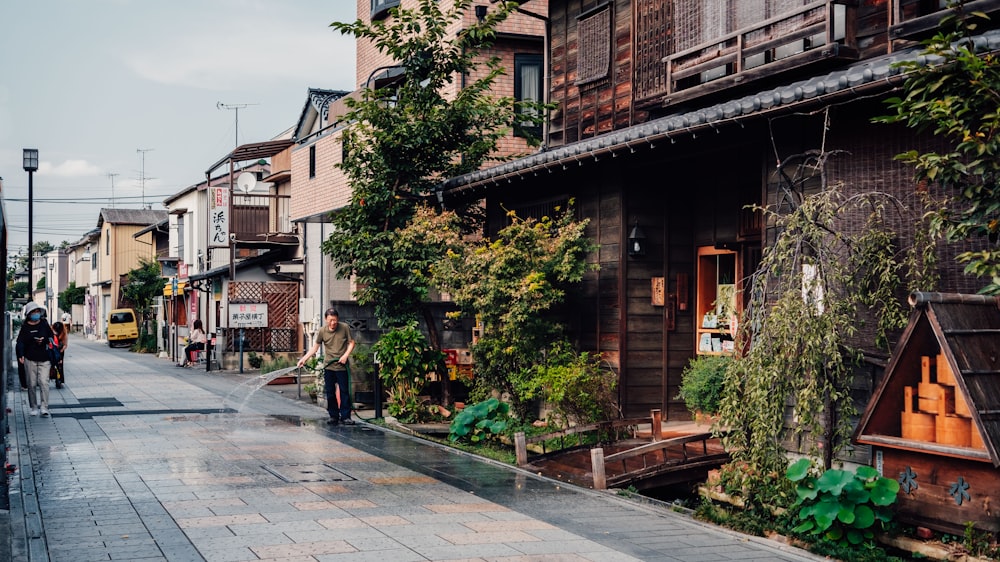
{"x": 520, "y": 449}
{"x": 597, "y": 467}
{"x": 657, "y": 417}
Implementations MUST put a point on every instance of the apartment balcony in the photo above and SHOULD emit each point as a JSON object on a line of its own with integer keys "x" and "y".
{"x": 818, "y": 30}
{"x": 915, "y": 19}
{"x": 261, "y": 221}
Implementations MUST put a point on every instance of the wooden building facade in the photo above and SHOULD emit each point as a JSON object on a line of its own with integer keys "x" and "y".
{"x": 670, "y": 125}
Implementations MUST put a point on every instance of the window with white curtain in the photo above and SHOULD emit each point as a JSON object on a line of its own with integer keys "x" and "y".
{"x": 528, "y": 87}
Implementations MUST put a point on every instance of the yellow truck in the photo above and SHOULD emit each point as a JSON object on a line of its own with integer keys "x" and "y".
{"x": 122, "y": 327}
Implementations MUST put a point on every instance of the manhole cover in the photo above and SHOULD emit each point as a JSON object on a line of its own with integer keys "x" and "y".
{"x": 307, "y": 473}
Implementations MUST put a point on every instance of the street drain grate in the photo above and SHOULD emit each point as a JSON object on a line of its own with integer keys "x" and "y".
{"x": 307, "y": 473}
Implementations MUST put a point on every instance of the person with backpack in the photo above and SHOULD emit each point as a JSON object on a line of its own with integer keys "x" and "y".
{"x": 33, "y": 346}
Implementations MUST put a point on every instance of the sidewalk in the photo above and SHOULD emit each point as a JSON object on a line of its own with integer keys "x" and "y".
{"x": 142, "y": 460}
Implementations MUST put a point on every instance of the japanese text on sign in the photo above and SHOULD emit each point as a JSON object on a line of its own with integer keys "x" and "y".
{"x": 218, "y": 218}
{"x": 250, "y": 315}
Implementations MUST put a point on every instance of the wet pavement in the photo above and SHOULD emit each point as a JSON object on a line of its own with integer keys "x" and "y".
{"x": 142, "y": 460}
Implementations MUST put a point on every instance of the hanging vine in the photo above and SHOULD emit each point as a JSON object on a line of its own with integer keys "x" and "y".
{"x": 823, "y": 275}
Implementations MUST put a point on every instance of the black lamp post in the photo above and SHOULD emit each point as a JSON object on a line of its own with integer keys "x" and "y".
{"x": 636, "y": 241}
{"x": 30, "y": 166}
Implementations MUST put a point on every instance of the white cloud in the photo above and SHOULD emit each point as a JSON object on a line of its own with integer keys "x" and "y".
{"x": 69, "y": 168}
{"x": 244, "y": 56}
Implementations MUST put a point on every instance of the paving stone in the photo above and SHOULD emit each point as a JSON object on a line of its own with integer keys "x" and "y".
{"x": 155, "y": 482}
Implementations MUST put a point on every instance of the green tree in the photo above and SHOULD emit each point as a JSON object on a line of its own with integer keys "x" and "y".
{"x": 39, "y": 249}
{"x": 404, "y": 139}
{"x": 72, "y": 295}
{"x": 956, "y": 98}
{"x": 142, "y": 285}
{"x": 512, "y": 283}
{"x": 18, "y": 290}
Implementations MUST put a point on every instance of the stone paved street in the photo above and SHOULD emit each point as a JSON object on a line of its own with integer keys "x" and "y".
{"x": 141, "y": 460}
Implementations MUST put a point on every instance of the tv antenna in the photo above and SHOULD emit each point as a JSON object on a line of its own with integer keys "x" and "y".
{"x": 236, "y": 107}
{"x": 112, "y": 176}
{"x": 142, "y": 173}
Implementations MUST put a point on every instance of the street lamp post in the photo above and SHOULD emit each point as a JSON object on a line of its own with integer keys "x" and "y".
{"x": 30, "y": 166}
{"x": 50, "y": 290}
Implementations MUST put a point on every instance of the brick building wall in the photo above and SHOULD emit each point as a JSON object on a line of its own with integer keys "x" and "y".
{"x": 328, "y": 189}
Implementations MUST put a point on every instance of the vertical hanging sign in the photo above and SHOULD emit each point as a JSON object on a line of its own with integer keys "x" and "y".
{"x": 218, "y": 218}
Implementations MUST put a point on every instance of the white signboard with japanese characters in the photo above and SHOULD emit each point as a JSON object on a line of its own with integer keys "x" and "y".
{"x": 248, "y": 315}
{"x": 218, "y": 218}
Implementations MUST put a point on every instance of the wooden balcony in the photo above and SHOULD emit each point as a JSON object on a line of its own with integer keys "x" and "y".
{"x": 261, "y": 220}
{"x": 815, "y": 31}
{"x": 913, "y": 19}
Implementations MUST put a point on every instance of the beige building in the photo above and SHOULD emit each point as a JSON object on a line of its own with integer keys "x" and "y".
{"x": 118, "y": 251}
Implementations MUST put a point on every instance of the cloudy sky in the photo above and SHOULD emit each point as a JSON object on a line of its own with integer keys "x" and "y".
{"x": 131, "y": 87}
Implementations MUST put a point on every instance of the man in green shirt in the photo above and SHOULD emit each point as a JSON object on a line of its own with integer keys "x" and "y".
{"x": 337, "y": 347}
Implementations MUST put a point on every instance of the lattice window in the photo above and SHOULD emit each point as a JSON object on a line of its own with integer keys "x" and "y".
{"x": 593, "y": 51}
{"x": 652, "y": 43}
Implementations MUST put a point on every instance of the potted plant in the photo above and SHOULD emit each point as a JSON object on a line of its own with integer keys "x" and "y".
{"x": 701, "y": 384}
{"x": 312, "y": 391}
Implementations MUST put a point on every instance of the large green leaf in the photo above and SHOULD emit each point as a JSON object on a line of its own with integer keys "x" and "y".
{"x": 885, "y": 491}
{"x": 798, "y": 469}
{"x": 866, "y": 472}
{"x": 855, "y": 492}
{"x": 834, "y": 480}
{"x": 864, "y": 517}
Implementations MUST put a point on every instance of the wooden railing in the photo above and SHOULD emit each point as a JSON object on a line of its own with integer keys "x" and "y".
{"x": 574, "y": 437}
{"x": 657, "y": 457}
{"x": 915, "y": 17}
{"x": 785, "y": 36}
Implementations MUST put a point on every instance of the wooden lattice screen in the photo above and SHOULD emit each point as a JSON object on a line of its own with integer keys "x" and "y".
{"x": 593, "y": 55}
{"x": 652, "y": 43}
{"x": 282, "y": 300}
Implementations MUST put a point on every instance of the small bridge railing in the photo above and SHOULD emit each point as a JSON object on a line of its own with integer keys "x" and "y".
{"x": 662, "y": 461}
{"x": 573, "y": 437}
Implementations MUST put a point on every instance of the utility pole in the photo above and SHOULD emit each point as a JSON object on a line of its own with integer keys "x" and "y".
{"x": 236, "y": 109}
{"x": 142, "y": 173}
{"x": 112, "y": 176}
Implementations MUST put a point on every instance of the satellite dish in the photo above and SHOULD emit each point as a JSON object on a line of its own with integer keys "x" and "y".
{"x": 246, "y": 182}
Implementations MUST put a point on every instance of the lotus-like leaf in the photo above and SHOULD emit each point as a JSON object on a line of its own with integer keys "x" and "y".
{"x": 866, "y": 473}
{"x": 806, "y": 525}
{"x": 855, "y": 492}
{"x": 846, "y": 515}
{"x": 805, "y": 492}
{"x": 798, "y": 469}
{"x": 884, "y": 492}
{"x": 854, "y": 536}
{"x": 834, "y": 480}
{"x": 864, "y": 517}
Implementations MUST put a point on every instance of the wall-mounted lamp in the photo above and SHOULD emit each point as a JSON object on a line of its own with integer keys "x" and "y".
{"x": 480, "y": 13}
{"x": 636, "y": 241}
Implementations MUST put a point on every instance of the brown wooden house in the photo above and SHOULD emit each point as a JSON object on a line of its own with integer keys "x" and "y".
{"x": 934, "y": 422}
{"x": 672, "y": 118}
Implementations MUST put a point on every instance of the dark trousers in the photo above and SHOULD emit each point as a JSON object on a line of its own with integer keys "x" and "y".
{"x": 192, "y": 347}
{"x": 341, "y": 411}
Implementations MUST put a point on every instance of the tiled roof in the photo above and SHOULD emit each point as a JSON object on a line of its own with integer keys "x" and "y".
{"x": 144, "y": 217}
{"x": 844, "y": 82}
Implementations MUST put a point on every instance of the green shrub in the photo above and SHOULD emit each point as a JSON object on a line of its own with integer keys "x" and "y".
{"x": 574, "y": 385}
{"x": 480, "y": 421}
{"x": 278, "y": 363}
{"x": 702, "y": 381}
{"x": 405, "y": 360}
{"x": 842, "y": 507}
{"x": 255, "y": 360}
